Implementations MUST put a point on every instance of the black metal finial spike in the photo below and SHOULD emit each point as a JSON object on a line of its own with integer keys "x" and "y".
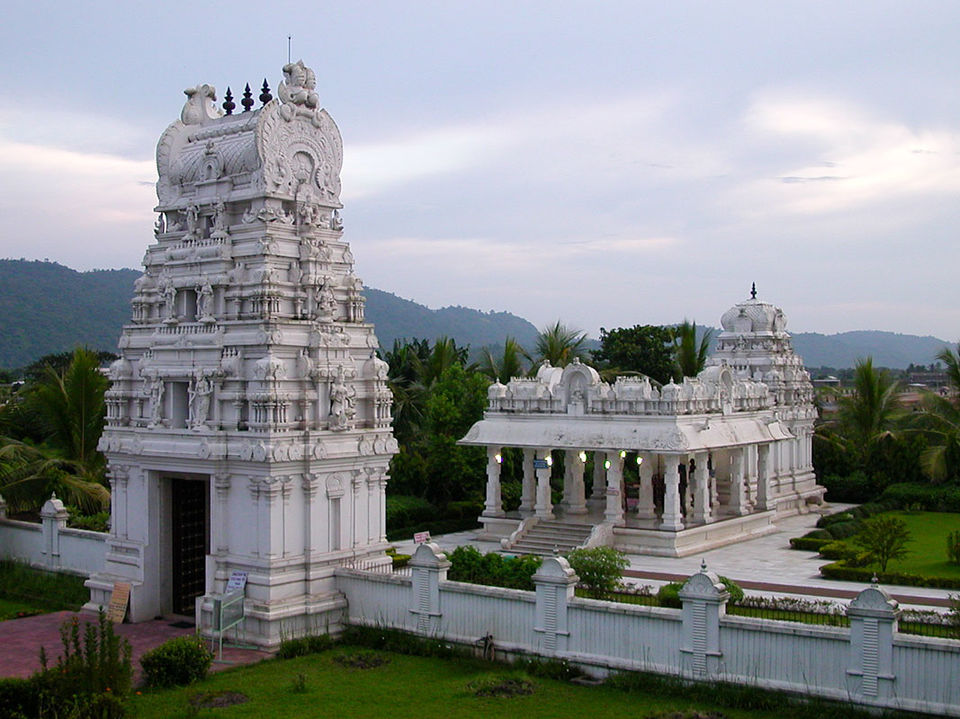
{"x": 247, "y": 100}
{"x": 753, "y": 291}
{"x": 265, "y": 95}
{"x": 228, "y": 104}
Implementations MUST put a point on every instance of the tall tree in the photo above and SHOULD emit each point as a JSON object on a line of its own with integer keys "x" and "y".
{"x": 560, "y": 345}
{"x": 690, "y": 355}
{"x": 642, "y": 349}
{"x": 28, "y": 476}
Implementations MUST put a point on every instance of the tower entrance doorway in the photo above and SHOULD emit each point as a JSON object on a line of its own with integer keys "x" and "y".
{"x": 190, "y": 536}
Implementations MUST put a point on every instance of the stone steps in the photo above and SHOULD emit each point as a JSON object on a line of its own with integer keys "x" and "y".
{"x": 547, "y": 536}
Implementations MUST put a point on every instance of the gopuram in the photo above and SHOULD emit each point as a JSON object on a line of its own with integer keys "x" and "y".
{"x": 717, "y": 458}
{"x": 248, "y": 429}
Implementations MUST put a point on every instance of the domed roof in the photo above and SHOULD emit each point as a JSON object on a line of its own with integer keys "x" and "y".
{"x": 753, "y": 315}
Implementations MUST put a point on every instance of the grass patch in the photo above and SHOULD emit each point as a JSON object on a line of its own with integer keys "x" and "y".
{"x": 928, "y": 550}
{"x": 417, "y": 687}
{"x": 16, "y": 609}
{"x": 44, "y": 591}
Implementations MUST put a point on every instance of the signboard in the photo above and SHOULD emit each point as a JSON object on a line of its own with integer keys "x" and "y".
{"x": 237, "y": 582}
{"x": 421, "y": 537}
{"x": 540, "y": 464}
{"x": 118, "y": 602}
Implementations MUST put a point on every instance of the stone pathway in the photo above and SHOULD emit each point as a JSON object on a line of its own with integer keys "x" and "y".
{"x": 21, "y": 639}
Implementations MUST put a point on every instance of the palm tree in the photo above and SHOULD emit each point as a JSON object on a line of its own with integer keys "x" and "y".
{"x": 866, "y": 416}
{"x": 690, "y": 356}
{"x": 509, "y": 364}
{"x": 939, "y": 421}
{"x": 28, "y": 477}
{"x": 560, "y": 345}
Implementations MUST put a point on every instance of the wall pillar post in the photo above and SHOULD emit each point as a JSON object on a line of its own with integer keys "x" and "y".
{"x": 873, "y": 620}
{"x": 701, "y": 489}
{"x": 646, "y": 509}
{"x": 54, "y": 518}
{"x": 763, "y": 478}
{"x": 704, "y": 601}
{"x": 428, "y": 567}
{"x": 555, "y": 582}
{"x": 671, "y": 498}
{"x": 573, "y": 488}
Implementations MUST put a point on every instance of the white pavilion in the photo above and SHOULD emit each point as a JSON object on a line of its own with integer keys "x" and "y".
{"x": 721, "y": 456}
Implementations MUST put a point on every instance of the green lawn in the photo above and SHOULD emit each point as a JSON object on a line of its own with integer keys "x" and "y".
{"x": 11, "y": 609}
{"x": 928, "y": 550}
{"x": 424, "y": 688}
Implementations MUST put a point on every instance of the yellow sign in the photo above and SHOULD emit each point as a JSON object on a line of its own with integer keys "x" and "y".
{"x": 118, "y": 602}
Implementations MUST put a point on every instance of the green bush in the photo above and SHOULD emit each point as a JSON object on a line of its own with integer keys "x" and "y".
{"x": 467, "y": 564}
{"x": 600, "y": 569}
{"x": 841, "y": 570}
{"x": 843, "y": 530}
{"x": 669, "y": 595}
{"x": 98, "y": 522}
{"x": 736, "y": 593}
{"x": 829, "y": 519}
{"x": 176, "y": 662}
{"x": 925, "y": 496}
{"x": 953, "y": 547}
{"x": 809, "y": 544}
{"x": 302, "y": 646}
{"x": 855, "y": 488}
{"x": 93, "y": 661}
{"x": 818, "y": 534}
{"x": 403, "y": 510}
{"x": 464, "y": 509}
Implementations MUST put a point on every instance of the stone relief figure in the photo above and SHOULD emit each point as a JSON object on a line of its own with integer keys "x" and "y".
{"x": 170, "y": 303}
{"x": 160, "y": 226}
{"x": 156, "y": 402}
{"x": 204, "y": 299}
{"x": 199, "y": 396}
{"x": 200, "y": 107}
{"x": 220, "y": 231}
{"x": 193, "y": 223}
{"x": 299, "y": 85}
{"x": 342, "y": 400}
{"x": 335, "y": 222}
{"x": 325, "y": 304}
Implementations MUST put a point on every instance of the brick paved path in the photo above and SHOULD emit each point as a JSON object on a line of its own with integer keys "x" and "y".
{"x": 21, "y": 639}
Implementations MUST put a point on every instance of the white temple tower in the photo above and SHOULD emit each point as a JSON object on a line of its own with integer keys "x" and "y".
{"x": 248, "y": 419}
{"x": 755, "y": 344}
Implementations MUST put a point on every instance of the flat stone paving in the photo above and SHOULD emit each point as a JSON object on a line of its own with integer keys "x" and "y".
{"x": 764, "y": 564}
{"x": 21, "y": 639}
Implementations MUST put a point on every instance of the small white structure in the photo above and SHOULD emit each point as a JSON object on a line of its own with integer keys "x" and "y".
{"x": 720, "y": 455}
{"x": 248, "y": 424}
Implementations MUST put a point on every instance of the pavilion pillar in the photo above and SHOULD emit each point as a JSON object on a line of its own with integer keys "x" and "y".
{"x": 688, "y": 490}
{"x": 646, "y": 509}
{"x": 750, "y": 477}
{"x": 671, "y": 519}
{"x": 529, "y": 485}
{"x": 712, "y": 478}
{"x": 738, "y": 498}
{"x": 544, "y": 506}
{"x": 613, "y": 514}
{"x": 701, "y": 489}
{"x": 763, "y": 478}
{"x": 573, "y": 490}
{"x": 599, "y": 477}
{"x": 493, "y": 507}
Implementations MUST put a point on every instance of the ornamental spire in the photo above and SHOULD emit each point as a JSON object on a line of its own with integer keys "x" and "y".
{"x": 753, "y": 291}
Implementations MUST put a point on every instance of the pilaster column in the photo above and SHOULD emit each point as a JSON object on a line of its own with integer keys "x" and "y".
{"x": 529, "y": 487}
{"x": 221, "y": 489}
{"x": 738, "y": 499}
{"x": 671, "y": 498}
{"x": 574, "y": 490}
{"x": 311, "y": 540}
{"x": 544, "y": 505}
{"x": 763, "y": 478}
{"x": 493, "y": 507}
{"x": 253, "y": 485}
{"x": 119, "y": 477}
{"x": 712, "y": 477}
{"x": 613, "y": 514}
{"x": 701, "y": 489}
{"x": 646, "y": 509}
{"x": 382, "y": 495}
{"x": 360, "y": 500}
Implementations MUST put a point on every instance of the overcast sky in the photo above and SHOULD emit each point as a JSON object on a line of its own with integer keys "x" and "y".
{"x": 603, "y": 163}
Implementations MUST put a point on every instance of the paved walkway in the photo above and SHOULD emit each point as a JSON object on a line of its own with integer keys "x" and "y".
{"x": 765, "y": 565}
{"x": 21, "y": 639}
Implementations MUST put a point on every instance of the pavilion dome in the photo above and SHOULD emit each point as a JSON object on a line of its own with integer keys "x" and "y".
{"x": 753, "y": 315}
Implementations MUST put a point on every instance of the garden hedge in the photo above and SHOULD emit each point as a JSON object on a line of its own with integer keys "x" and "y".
{"x": 840, "y": 570}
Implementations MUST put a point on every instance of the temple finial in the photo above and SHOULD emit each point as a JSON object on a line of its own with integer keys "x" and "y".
{"x": 265, "y": 95}
{"x": 753, "y": 291}
{"x": 247, "y": 100}
{"x": 228, "y": 104}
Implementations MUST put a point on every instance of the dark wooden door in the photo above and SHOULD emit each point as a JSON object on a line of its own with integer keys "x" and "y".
{"x": 190, "y": 546}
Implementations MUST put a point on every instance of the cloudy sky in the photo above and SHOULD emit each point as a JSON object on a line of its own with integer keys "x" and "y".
{"x": 602, "y": 163}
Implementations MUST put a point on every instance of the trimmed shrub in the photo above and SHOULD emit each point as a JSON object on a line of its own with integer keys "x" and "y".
{"x": 467, "y": 564}
{"x": 403, "y": 511}
{"x": 669, "y": 595}
{"x": 809, "y": 544}
{"x": 924, "y": 496}
{"x": 818, "y": 534}
{"x": 600, "y": 569}
{"x": 176, "y": 662}
{"x": 843, "y": 530}
{"x": 841, "y": 570}
{"x": 829, "y": 519}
